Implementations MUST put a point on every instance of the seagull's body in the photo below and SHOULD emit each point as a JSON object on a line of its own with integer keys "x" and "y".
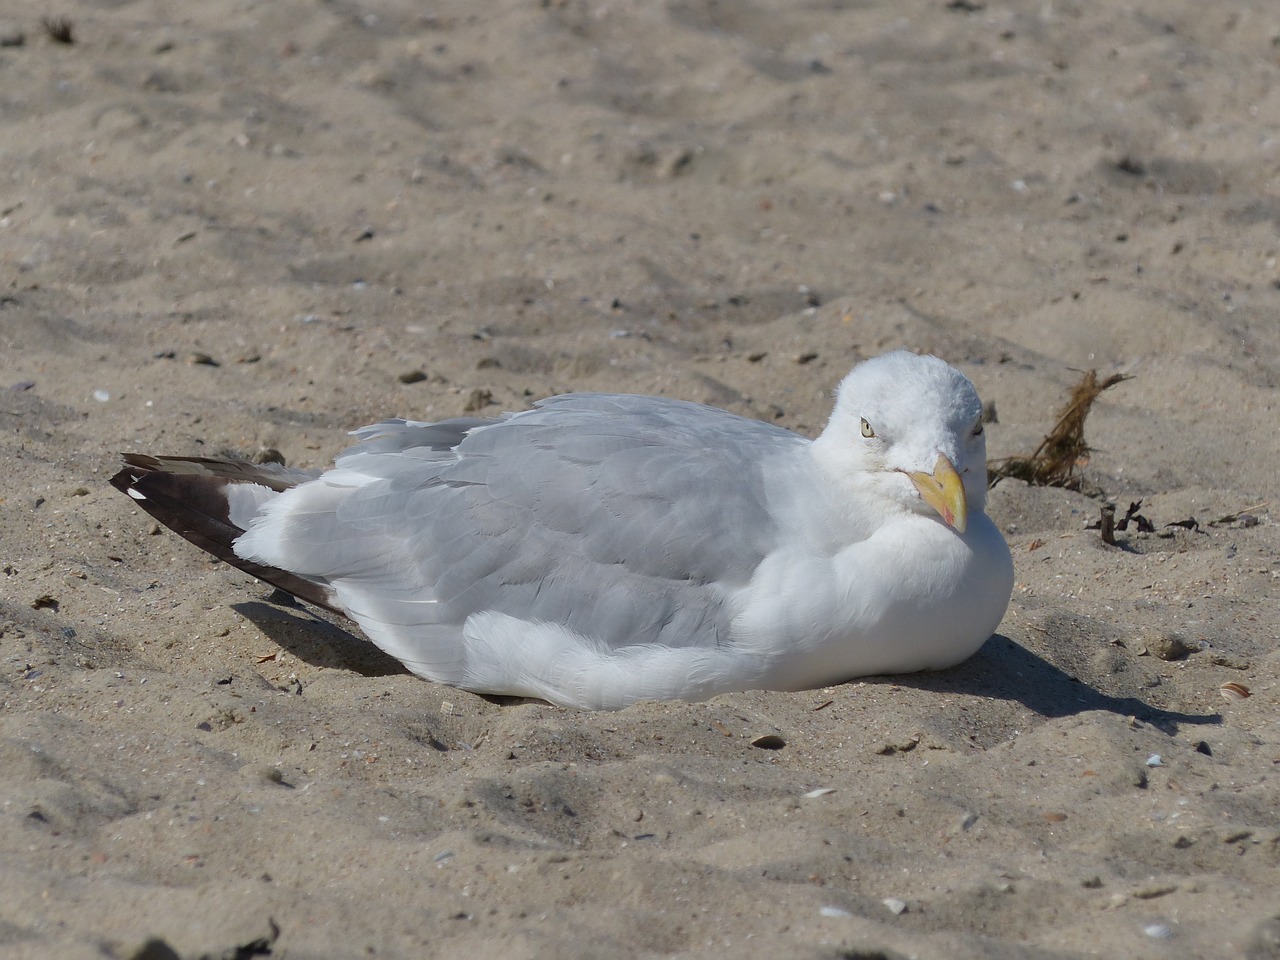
{"x": 602, "y": 549}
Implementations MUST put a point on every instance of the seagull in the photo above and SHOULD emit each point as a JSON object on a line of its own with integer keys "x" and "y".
{"x": 601, "y": 549}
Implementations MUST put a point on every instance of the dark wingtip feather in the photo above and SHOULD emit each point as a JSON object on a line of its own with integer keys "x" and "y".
{"x": 187, "y": 495}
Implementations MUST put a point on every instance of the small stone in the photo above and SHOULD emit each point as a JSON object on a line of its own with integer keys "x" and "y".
{"x": 412, "y": 376}
{"x": 896, "y": 907}
{"x": 1171, "y": 647}
{"x": 1228, "y": 661}
{"x": 201, "y": 359}
{"x": 264, "y": 772}
{"x": 477, "y": 400}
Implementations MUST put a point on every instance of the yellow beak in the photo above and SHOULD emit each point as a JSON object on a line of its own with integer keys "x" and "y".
{"x": 944, "y": 491}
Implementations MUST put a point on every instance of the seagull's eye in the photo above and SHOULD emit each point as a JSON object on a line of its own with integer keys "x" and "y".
{"x": 866, "y": 429}
{"x": 977, "y": 431}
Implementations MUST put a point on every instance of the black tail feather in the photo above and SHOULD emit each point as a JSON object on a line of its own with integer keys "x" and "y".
{"x": 187, "y": 495}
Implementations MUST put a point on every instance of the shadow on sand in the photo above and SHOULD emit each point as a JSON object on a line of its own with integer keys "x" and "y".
{"x": 1006, "y": 670}
{"x": 1001, "y": 670}
{"x": 314, "y": 640}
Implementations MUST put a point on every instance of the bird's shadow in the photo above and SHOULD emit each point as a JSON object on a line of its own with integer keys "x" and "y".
{"x": 1001, "y": 670}
{"x": 317, "y": 641}
{"x": 313, "y": 639}
{"x": 1005, "y": 670}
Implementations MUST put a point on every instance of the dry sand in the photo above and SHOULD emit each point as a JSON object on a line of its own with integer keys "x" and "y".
{"x": 727, "y": 202}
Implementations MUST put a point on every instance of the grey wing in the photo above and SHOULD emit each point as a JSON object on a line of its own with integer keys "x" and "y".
{"x": 625, "y": 519}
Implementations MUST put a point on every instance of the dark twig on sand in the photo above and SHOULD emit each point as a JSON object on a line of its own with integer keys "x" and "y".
{"x": 59, "y": 29}
{"x": 1107, "y": 523}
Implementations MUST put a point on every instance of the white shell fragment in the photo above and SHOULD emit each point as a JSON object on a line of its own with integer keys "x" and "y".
{"x": 1233, "y": 691}
{"x": 819, "y": 792}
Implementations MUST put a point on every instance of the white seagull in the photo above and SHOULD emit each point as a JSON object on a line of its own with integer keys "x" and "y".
{"x": 602, "y": 549}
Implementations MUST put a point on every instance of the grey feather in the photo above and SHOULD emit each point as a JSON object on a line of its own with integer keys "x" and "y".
{"x": 601, "y": 513}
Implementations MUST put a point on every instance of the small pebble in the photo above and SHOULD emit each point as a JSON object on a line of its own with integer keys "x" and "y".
{"x": 830, "y": 911}
{"x": 264, "y": 772}
{"x": 101, "y": 396}
{"x": 895, "y": 905}
{"x": 477, "y": 400}
{"x": 1230, "y": 662}
{"x": 1171, "y": 647}
{"x": 1155, "y": 761}
{"x": 1158, "y": 931}
{"x": 1152, "y": 891}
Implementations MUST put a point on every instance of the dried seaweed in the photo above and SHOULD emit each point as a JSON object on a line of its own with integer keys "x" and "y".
{"x": 1057, "y": 461}
{"x": 1138, "y": 520}
{"x": 1107, "y": 524}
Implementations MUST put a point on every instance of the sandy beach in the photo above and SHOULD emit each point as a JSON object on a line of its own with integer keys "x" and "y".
{"x": 238, "y": 227}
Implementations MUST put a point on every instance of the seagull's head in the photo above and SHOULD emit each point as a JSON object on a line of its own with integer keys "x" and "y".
{"x": 908, "y": 428}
